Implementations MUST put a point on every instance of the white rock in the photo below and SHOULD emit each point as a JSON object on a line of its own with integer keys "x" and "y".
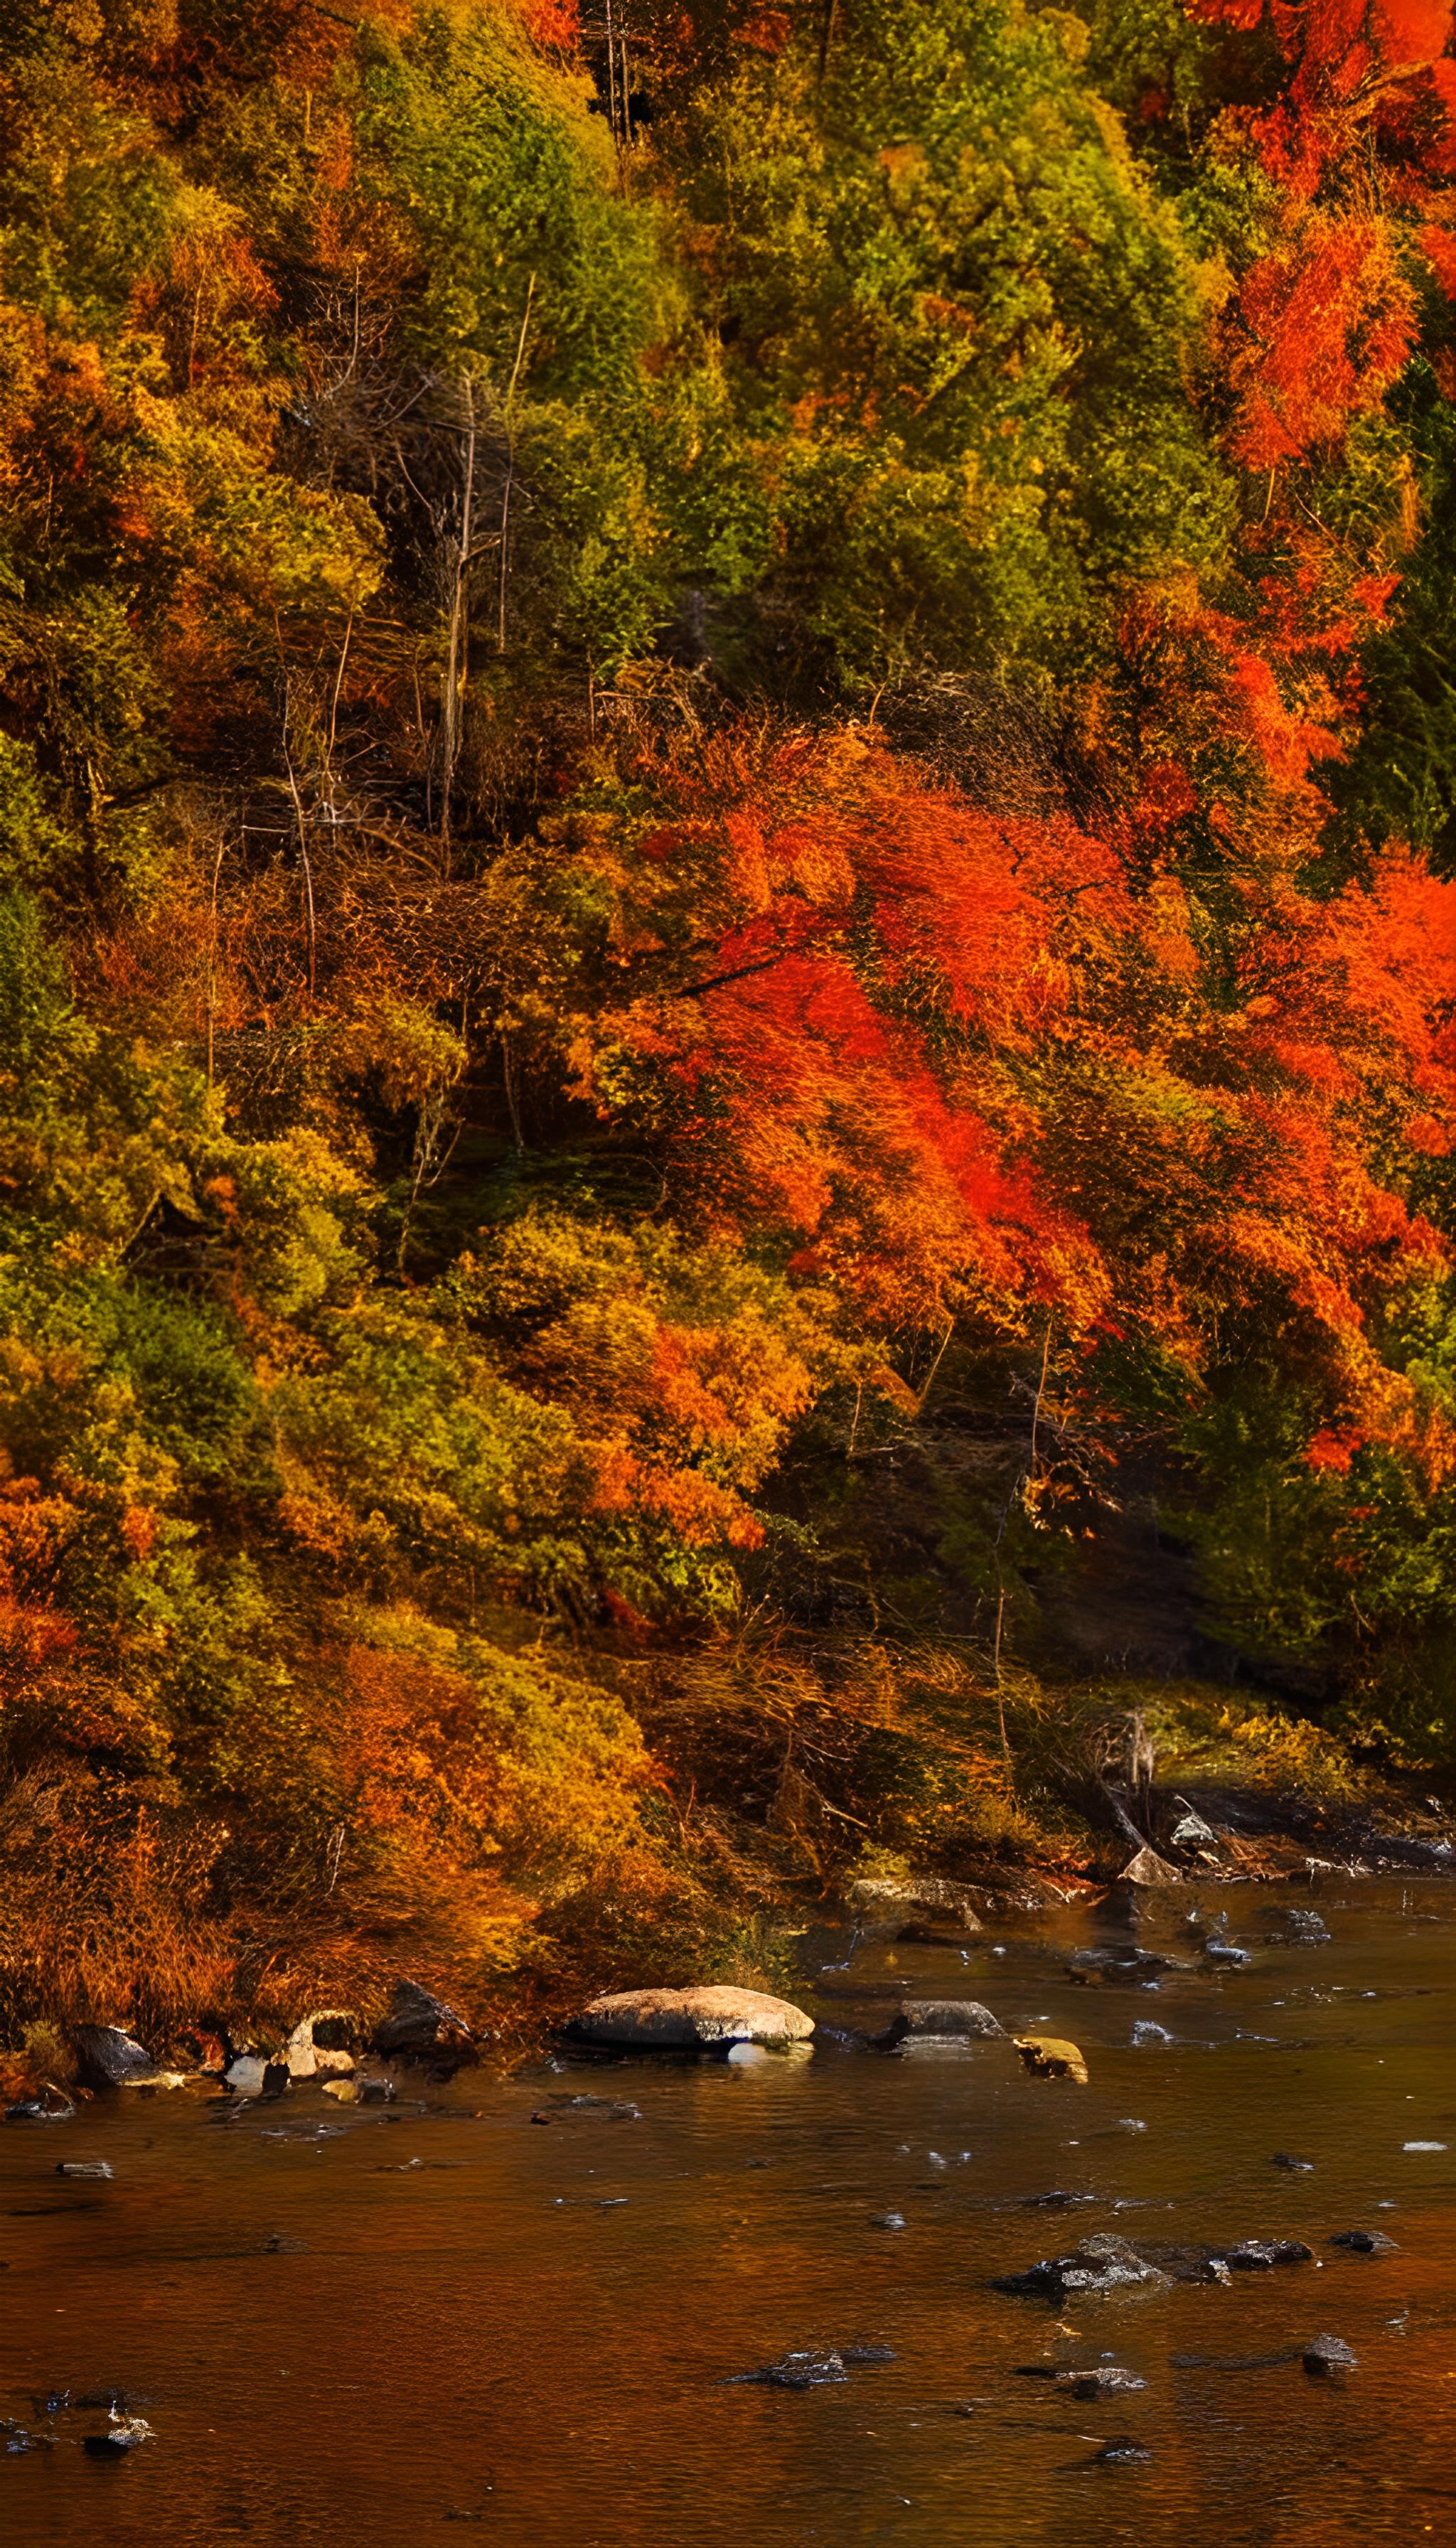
{"x": 715, "y": 2013}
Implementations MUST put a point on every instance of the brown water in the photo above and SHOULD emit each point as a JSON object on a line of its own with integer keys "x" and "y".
{"x": 472, "y": 2319}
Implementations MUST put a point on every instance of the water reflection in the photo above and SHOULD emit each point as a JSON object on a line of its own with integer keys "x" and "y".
{"x": 376, "y": 2324}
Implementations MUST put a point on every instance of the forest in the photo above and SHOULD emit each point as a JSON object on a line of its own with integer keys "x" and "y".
{"x": 727, "y": 958}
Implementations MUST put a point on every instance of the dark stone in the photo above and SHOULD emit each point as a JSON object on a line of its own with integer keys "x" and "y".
{"x": 1326, "y": 2353}
{"x": 1258, "y": 2255}
{"x": 1058, "y": 2200}
{"x": 866, "y": 2354}
{"x": 421, "y": 2027}
{"x": 1365, "y": 2243}
{"x": 1303, "y": 2166}
{"x": 1109, "y": 2380}
{"x": 807, "y": 2370}
{"x": 1101, "y": 2263}
{"x": 940, "y": 2017}
{"x": 108, "y": 2059}
{"x": 1123, "y": 2451}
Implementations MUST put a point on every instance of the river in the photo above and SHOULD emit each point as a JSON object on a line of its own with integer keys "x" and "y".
{"x": 369, "y": 2326}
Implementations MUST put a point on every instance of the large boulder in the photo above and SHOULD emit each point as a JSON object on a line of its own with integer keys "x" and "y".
{"x": 691, "y": 2020}
{"x": 108, "y": 2059}
{"x": 887, "y": 1898}
{"x": 421, "y": 2027}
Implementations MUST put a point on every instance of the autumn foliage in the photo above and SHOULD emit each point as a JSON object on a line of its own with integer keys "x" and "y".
{"x": 695, "y": 926}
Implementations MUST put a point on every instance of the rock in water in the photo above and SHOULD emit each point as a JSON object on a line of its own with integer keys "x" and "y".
{"x": 1123, "y": 2451}
{"x": 807, "y": 2370}
{"x": 1326, "y": 2353}
{"x": 1220, "y": 1952}
{"x": 421, "y": 2027}
{"x": 1148, "y": 1869}
{"x": 943, "y": 2020}
{"x": 1305, "y": 1927}
{"x": 1302, "y": 2166}
{"x": 1260, "y": 2256}
{"x": 360, "y": 2092}
{"x": 1050, "y": 2056}
{"x": 1109, "y": 2380}
{"x": 124, "y": 2433}
{"x": 92, "y": 2170}
{"x": 50, "y": 2105}
{"x": 1101, "y": 2263}
{"x": 1365, "y": 2243}
{"x": 888, "y": 1897}
{"x": 108, "y": 2059}
{"x": 687, "y": 2020}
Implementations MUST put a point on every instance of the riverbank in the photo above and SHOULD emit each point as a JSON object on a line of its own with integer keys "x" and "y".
{"x": 775, "y": 1786}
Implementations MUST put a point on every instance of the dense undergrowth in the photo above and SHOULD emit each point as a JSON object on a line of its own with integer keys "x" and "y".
{"x": 724, "y": 939}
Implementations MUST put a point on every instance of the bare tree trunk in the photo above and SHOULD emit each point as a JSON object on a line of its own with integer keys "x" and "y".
{"x": 521, "y": 352}
{"x": 452, "y": 718}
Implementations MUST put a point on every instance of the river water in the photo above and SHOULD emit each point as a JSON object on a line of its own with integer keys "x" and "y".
{"x": 369, "y": 2326}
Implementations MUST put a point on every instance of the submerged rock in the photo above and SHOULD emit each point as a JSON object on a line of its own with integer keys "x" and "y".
{"x": 886, "y": 1897}
{"x": 1050, "y": 2056}
{"x": 691, "y": 2020}
{"x": 1219, "y": 1951}
{"x": 615, "y": 2109}
{"x": 360, "y": 2092}
{"x": 421, "y": 2027}
{"x": 1123, "y": 2451}
{"x": 1058, "y": 2200}
{"x": 1108, "y": 2380}
{"x": 1365, "y": 2243}
{"x": 939, "y": 2020}
{"x": 1326, "y": 2353}
{"x": 811, "y": 2369}
{"x": 1130, "y": 1964}
{"x": 1145, "y": 2032}
{"x": 1305, "y": 1927}
{"x": 888, "y": 2220}
{"x": 91, "y": 2170}
{"x": 1101, "y": 2263}
{"x": 1302, "y": 2166}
